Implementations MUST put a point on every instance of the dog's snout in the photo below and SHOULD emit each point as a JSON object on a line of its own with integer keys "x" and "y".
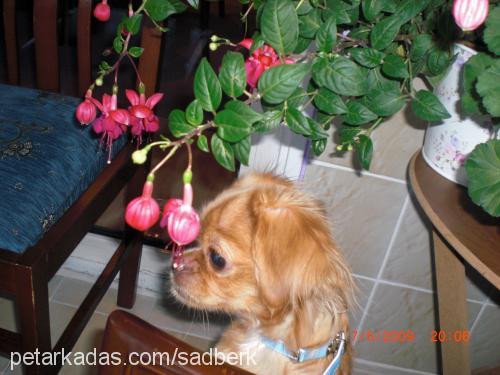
{"x": 186, "y": 262}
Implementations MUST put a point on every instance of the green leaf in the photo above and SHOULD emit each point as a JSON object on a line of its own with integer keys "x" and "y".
{"x": 384, "y": 102}
{"x": 491, "y": 33}
{"x": 489, "y": 88}
{"x": 297, "y": 122}
{"x": 223, "y": 152}
{"x": 324, "y": 119}
{"x": 317, "y": 132}
{"x": 326, "y": 37}
{"x": 177, "y": 124}
{"x": 135, "y": 51}
{"x": 194, "y": 3}
{"x": 232, "y": 74}
{"x": 202, "y": 143}
{"x": 437, "y": 61}
{"x": 243, "y": 110}
{"x": 338, "y": 10}
{"x": 258, "y": 42}
{"x": 364, "y": 150}
{"x": 207, "y": 88}
{"x": 304, "y": 7}
{"x": 368, "y": 57}
{"x": 309, "y": 24}
{"x": 302, "y": 45}
{"x": 133, "y": 24}
{"x": 159, "y": 10}
{"x": 394, "y": 66}
{"x": 358, "y": 114}
{"x": 271, "y": 120}
{"x": 231, "y": 126}
{"x": 318, "y": 146}
{"x": 348, "y": 134}
{"x": 194, "y": 113}
{"x": 376, "y": 80}
{"x": 420, "y": 46}
{"x": 389, "y": 6}
{"x": 384, "y": 32}
{"x": 342, "y": 76}
{"x": 428, "y": 107}
{"x": 242, "y": 150}
{"x": 329, "y": 102}
{"x": 298, "y": 97}
{"x": 469, "y": 98}
{"x": 279, "y": 82}
{"x": 371, "y": 8}
{"x": 408, "y": 9}
{"x": 483, "y": 172}
{"x": 279, "y": 25}
{"x": 118, "y": 44}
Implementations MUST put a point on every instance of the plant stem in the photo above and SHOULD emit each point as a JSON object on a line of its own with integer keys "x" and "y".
{"x": 165, "y": 159}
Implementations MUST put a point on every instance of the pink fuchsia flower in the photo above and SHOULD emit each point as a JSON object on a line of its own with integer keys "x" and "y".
{"x": 112, "y": 122}
{"x": 143, "y": 212}
{"x": 171, "y": 206}
{"x": 102, "y": 11}
{"x": 470, "y": 14}
{"x": 183, "y": 223}
{"x": 86, "y": 112}
{"x": 143, "y": 119}
{"x": 259, "y": 61}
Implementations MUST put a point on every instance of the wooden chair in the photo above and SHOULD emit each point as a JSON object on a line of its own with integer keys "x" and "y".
{"x": 126, "y": 334}
{"x": 86, "y": 189}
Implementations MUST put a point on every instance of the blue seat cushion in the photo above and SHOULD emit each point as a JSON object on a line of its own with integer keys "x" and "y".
{"x": 47, "y": 160}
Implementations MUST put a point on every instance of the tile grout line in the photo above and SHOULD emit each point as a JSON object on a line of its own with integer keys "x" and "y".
{"x": 382, "y": 266}
{"x": 412, "y": 287}
{"x": 479, "y": 314}
{"x": 363, "y": 173}
{"x": 391, "y": 367}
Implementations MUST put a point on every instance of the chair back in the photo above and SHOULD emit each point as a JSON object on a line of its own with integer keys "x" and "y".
{"x": 130, "y": 337}
{"x": 45, "y": 30}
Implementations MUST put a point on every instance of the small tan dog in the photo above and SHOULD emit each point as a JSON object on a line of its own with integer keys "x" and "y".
{"x": 267, "y": 258}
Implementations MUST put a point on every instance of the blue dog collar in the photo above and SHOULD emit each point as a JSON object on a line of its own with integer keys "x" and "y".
{"x": 335, "y": 346}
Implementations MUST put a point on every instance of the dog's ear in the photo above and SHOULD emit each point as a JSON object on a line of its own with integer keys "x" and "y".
{"x": 294, "y": 255}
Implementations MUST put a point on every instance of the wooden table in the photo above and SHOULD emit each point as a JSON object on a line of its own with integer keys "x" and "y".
{"x": 462, "y": 233}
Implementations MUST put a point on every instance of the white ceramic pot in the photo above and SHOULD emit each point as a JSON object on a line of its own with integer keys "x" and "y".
{"x": 448, "y": 143}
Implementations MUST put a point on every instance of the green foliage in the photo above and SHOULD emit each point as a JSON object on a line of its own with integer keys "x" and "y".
{"x": 492, "y": 31}
{"x": 177, "y": 123}
{"x": 232, "y": 75}
{"x": 488, "y": 88}
{"x": 194, "y": 113}
{"x": 223, "y": 152}
{"x": 428, "y": 107}
{"x": 483, "y": 172}
{"x": 159, "y": 10}
{"x": 207, "y": 88}
{"x": 280, "y": 25}
{"x": 279, "y": 82}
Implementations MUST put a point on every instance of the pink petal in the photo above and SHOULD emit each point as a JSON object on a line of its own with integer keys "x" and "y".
{"x": 132, "y": 97}
{"x": 152, "y": 124}
{"x": 254, "y": 70}
{"x": 140, "y": 111}
{"x": 121, "y": 116}
{"x": 153, "y": 100}
{"x": 247, "y": 43}
{"x": 171, "y": 206}
{"x": 107, "y": 103}
{"x": 98, "y": 125}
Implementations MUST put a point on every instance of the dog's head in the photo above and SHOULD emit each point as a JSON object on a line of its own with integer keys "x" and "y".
{"x": 264, "y": 250}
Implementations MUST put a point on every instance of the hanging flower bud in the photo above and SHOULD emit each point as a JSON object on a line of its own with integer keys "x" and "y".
{"x": 143, "y": 212}
{"x": 171, "y": 206}
{"x": 102, "y": 11}
{"x": 85, "y": 112}
{"x": 184, "y": 223}
{"x": 470, "y": 14}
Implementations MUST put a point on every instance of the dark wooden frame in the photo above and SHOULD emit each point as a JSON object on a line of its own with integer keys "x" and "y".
{"x": 25, "y": 276}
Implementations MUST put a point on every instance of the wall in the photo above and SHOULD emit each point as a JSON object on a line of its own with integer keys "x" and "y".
{"x": 386, "y": 240}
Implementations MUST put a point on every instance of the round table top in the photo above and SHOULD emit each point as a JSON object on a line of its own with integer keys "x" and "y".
{"x": 473, "y": 233}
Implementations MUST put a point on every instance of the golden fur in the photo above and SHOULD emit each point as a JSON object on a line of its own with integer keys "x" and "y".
{"x": 284, "y": 277}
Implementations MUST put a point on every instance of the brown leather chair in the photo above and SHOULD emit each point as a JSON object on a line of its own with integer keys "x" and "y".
{"x": 126, "y": 334}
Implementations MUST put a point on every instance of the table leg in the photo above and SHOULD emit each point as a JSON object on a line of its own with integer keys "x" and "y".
{"x": 452, "y": 307}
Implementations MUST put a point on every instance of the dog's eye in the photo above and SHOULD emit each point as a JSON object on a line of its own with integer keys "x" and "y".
{"x": 217, "y": 260}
